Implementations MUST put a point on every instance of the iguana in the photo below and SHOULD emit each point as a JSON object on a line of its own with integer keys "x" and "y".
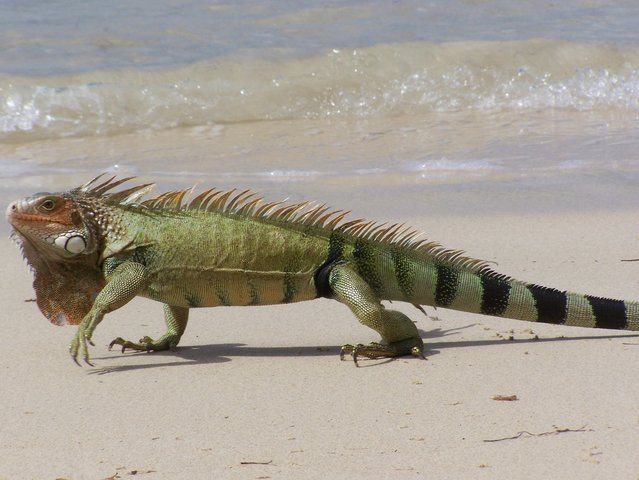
{"x": 93, "y": 249}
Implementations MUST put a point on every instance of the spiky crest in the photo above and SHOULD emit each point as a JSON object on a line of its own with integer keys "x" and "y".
{"x": 303, "y": 214}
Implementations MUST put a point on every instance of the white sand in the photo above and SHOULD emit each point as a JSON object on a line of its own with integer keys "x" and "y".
{"x": 261, "y": 393}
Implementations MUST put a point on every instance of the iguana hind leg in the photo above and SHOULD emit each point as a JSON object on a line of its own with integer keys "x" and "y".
{"x": 399, "y": 334}
{"x": 176, "y": 319}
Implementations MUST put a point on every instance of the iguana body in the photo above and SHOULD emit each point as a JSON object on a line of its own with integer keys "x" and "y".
{"x": 92, "y": 250}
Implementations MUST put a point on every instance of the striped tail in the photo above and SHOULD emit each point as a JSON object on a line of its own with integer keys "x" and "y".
{"x": 427, "y": 274}
{"x": 490, "y": 293}
{"x": 548, "y": 305}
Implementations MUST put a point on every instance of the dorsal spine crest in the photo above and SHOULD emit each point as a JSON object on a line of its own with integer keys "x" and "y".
{"x": 302, "y": 214}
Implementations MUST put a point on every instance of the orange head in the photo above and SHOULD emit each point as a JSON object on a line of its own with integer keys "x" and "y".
{"x": 60, "y": 242}
{"x": 52, "y": 224}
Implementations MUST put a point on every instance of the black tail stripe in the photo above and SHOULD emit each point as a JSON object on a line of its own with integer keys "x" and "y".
{"x": 446, "y": 288}
{"x": 495, "y": 295}
{"x": 551, "y": 304}
{"x": 608, "y": 313}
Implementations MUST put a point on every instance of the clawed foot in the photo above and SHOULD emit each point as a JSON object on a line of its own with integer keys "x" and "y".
{"x": 374, "y": 350}
{"x": 81, "y": 342}
{"x": 146, "y": 344}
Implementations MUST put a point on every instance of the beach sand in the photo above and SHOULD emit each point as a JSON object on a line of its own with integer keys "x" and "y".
{"x": 261, "y": 393}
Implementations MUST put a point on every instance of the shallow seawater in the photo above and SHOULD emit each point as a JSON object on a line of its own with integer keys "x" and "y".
{"x": 399, "y": 166}
{"x": 391, "y": 109}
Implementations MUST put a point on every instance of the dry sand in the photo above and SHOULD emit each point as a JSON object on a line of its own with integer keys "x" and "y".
{"x": 261, "y": 393}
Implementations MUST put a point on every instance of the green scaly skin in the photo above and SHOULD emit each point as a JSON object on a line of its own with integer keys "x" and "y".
{"x": 99, "y": 249}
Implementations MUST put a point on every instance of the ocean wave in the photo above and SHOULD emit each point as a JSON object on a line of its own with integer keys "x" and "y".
{"x": 388, "y": 79}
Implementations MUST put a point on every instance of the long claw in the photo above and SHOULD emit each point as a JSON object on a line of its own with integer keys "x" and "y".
{"x": 351, "y": 350}
{"x": 348, "y": 348}
{"x": 75, "y": 360}
{"x": 116, "y": 341}
{"x": 85, "y": 357}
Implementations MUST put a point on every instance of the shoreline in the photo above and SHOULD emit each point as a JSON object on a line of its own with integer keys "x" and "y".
{"x": 439, "y": 164}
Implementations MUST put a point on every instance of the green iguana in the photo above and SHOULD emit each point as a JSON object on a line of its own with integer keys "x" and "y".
{"x": 93, "y": 249}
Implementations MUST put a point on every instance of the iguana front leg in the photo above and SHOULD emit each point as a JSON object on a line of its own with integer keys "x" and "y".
{"x": 123, "y": 284}
{"x": 399, "y": 333}
{"x": 176, "y": 319}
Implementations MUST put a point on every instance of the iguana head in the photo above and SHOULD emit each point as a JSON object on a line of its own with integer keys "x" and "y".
{"x": 53, "y": 225}
{"x": 62, "y": 236}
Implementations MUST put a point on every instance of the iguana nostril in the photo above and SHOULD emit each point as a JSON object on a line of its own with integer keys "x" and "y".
{"x": 12, "y": 208}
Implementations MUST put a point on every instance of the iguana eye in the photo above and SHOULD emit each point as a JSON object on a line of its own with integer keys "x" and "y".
{"x": 48, "y": 205}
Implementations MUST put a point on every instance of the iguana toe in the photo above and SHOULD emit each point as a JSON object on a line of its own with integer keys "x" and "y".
{"x": 374, "y": 350}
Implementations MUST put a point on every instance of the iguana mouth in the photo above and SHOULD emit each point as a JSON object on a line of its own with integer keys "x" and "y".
{"x": 30, "y": 218}
{"x": 18, "y": 218}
